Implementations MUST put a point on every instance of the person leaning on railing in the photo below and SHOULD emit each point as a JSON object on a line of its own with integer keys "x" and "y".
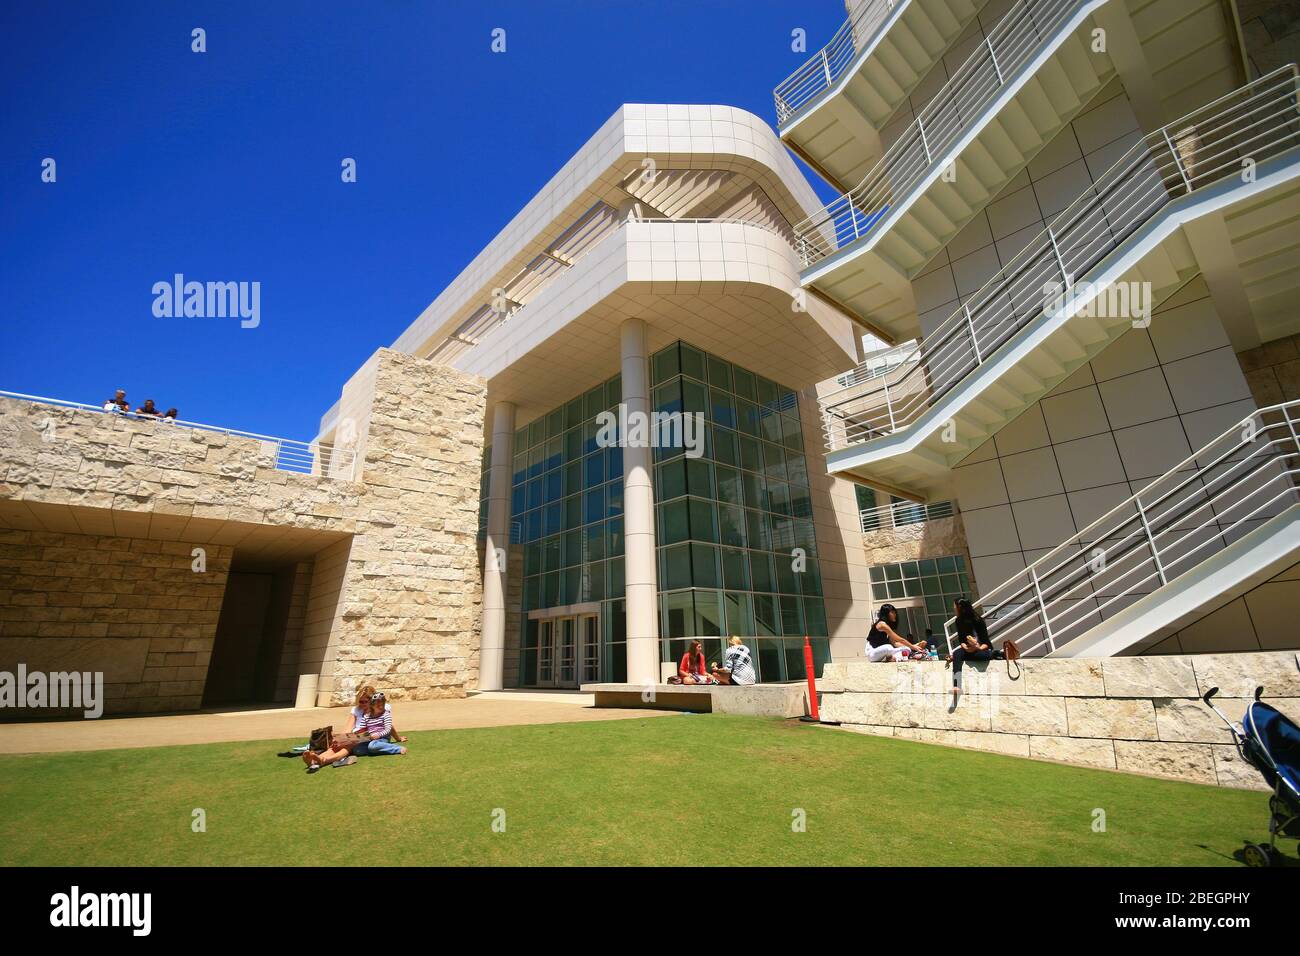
{"x": 117, "y": 403}
{"x": 975, "y": 644}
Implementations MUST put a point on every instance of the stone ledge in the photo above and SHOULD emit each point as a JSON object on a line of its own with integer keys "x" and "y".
{"x": 754, "y": 700}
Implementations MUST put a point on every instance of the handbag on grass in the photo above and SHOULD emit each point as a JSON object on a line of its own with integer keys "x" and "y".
{"x": 320, "y": 739}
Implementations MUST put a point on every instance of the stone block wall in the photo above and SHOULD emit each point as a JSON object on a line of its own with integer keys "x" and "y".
{"x": 1137, "y": 714}
{"x": 399, "y": 604}
{"x": 129, "y": 607}
{"x": 388, "y": 585}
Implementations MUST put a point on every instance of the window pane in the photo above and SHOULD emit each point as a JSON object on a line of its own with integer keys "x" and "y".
{"x": 731, "y": 525}
{"x": 692, "y": 362}
{"x": 725, "y": 450}
{"x": 708, "y": 621}
{"x": 704, "y": 520}
{"x": 760, "y": 564}
{"x": 740, "y": 614}
{"x": 744, "y": 383}
{"x": 722, "y": 408}
{"x": 670, "y": 479}
{"x": 719, "y": 373}
{"x": 674, "y": 521}
{"x": 705, "y": 572}
{"x": 665, "y": 364}
{"x": 765, "y": 619}
{"x": 735, "y": 569}
{"x": 729, "y": 487}
{"x": 675, "y": 567}
{"x": 679, "y": 614}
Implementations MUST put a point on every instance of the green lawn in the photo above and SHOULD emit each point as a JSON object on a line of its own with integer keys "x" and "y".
{"x": 702, "y": 789}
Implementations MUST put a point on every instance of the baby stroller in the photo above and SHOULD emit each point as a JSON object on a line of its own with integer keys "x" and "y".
{"x": 1270, "y": 743}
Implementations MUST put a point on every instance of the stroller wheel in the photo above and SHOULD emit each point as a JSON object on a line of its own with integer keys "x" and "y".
{"x": 1258, "y": 854}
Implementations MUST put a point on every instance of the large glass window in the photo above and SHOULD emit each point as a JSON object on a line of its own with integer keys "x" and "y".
{"x": 937, "y": 581}
{"x": 567, "y": 520}
{"x": 730, "y": 521}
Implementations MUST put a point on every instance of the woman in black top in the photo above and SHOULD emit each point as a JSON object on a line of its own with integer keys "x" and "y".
{"x": 975, "y": 644}
{"x": 884, "y": 643}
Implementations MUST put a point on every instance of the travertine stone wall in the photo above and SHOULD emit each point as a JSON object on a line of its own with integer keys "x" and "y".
{"x": 131, "y": 608}
{"x": 936, "y": 538}
{"x": 399, "y": 604}
{"x": 1139, "y": 714}
{"x": 394, "y": 587}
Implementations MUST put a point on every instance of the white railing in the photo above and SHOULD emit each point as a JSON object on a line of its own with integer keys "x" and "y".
{"x": 898, "y": 514}
{"x": 1209, "y": 145}
{"x": 285, "y": 453}
{"x": 829, "y": 63}
{"x": 1028, "y": 27}
{"x": 1232, "y": 485}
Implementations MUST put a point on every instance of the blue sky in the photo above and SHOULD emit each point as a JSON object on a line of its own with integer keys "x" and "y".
{"x": 225, "y": 166}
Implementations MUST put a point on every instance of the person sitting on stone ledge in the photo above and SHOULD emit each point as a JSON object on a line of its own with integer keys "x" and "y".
{"x": 117, "y": 403}
{"x": 169, "y": 416}
{"x": 691, "y": 669}
{"x": 737, "y": 664}
{"x": 975, "y": 643}
{"x": 147, "y": 410}
{"x": 886, "y": 644}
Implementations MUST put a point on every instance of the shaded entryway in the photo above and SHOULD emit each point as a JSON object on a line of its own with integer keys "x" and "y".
{"x": 258, "y": 632}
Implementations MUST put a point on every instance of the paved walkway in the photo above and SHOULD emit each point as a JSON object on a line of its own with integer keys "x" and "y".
{"x": 493, "y": 709}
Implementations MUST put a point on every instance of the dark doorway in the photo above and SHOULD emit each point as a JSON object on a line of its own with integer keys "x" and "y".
{"x": 250, "y": 637}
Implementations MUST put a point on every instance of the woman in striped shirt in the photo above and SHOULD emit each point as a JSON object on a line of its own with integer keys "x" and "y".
{"x": 377, "y": 727}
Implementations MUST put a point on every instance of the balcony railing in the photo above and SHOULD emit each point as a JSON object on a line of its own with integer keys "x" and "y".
{"x": 311, "y": 458}
{"x": 898, "y": 514}
{"x": 830, "y": 62}
{"x": 1213, "y": 143}
{"x": 1008, "y": 48}
{"x": 1227, "y": 488}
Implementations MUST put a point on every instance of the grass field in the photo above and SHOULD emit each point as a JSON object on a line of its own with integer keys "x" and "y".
{"x": 690, "y": 789}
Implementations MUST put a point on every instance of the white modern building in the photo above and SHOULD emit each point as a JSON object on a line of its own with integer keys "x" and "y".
{"x": 1041, "y": 349}
{"x": 1067, "y": 228}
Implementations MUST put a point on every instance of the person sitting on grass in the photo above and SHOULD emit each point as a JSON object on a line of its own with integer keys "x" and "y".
{"x": 975, "y": 644}
{"x": 378, "y": 728}
{"x": 357, "y": 716}
{"x": 738, "y": 664}
{"x": 338, "y": 752}
{"x": 691, "y": 669}
{"x": 886, "y": 644}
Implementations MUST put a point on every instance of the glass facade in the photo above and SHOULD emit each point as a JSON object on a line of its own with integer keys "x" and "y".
{"x": 566, "y": 507}
{"x": 937, "y": 581}
{"x": 729, "y": 521}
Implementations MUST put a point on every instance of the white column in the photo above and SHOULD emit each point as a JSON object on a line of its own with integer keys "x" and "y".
{"x": 492, "y": 645}
{"x": 640, "y": 579}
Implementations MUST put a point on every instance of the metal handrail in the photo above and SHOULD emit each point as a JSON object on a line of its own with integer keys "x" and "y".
{"x": 823, "y": 68}
{"x": 1237, "y": 481}
{"x": 1028, "y": 27}
{"x": 898, "y": 514}
{"x": 324, "y": 460}
{"x": 1256, "y": 122}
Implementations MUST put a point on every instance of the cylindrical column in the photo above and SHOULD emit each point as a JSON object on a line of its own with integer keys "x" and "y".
{"x": 641, "y": 581}
{"x": 492, "y": 645}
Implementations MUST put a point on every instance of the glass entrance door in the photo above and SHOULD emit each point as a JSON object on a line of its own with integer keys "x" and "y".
{"x": 546, "y": 653}
{"x": 568, "y": 651}
{"x": 589, "y": 648}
